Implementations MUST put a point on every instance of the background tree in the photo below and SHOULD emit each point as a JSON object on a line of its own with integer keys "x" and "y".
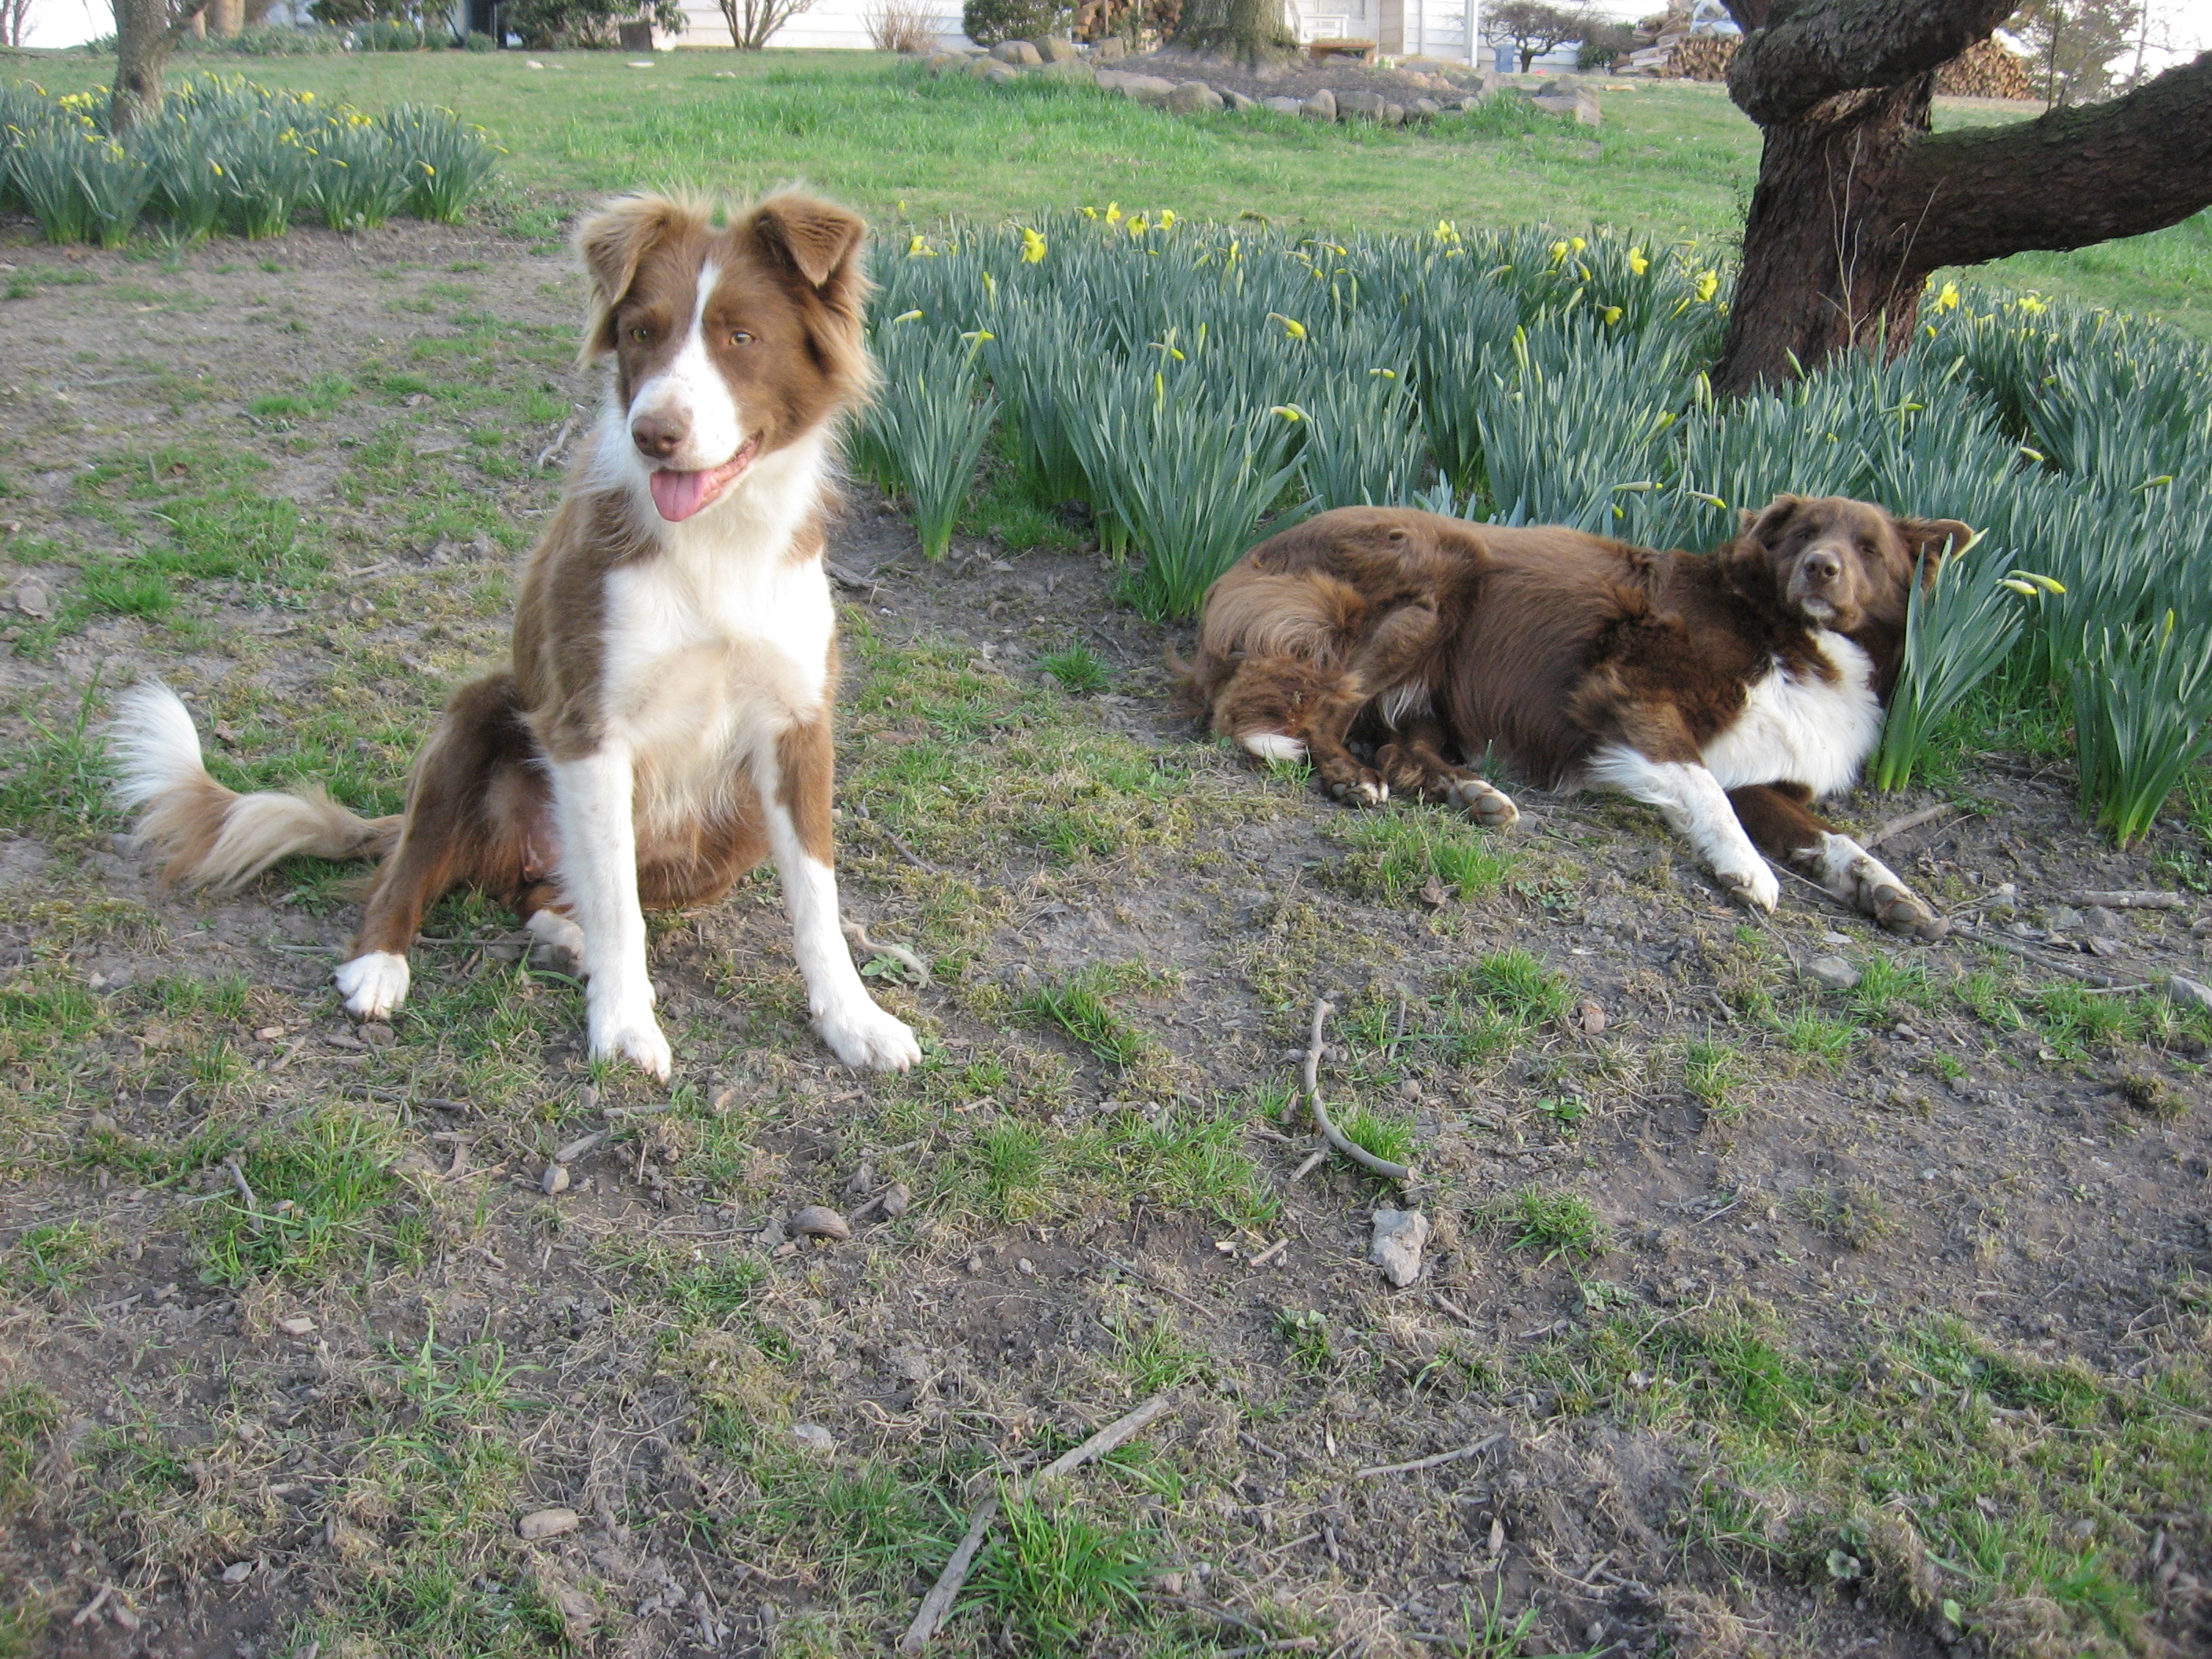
{"x": 2075, "y": 45}
{"x": 1253, "y": 30}
{"x": 1530, "y": 28}
{"x": 146, "y": 36}
{"x": 752, "y": 22}
{"x": 15, "y": 21}
{"x": 1857, "y": 201}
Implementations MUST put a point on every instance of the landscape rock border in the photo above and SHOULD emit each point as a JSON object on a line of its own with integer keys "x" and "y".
{"x": 1058, "y": 58}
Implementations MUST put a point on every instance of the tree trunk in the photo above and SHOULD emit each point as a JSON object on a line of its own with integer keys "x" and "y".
{"x": 1253, "y": 30}
{"x": 1827, "y": 265}
{"x": 143, "y": 45}
{"x": 1858, "y": 202}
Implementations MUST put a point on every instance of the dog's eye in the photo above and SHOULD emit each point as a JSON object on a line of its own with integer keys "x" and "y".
{"x": 738, "y": 337}
{"x": 641, "y": 334}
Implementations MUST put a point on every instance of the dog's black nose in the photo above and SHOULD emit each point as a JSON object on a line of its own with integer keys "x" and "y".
{"x": 657, "y": 436}
{"x": 1823, "y": 567}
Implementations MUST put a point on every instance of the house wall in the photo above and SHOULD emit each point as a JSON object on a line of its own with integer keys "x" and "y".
{"x": 826, "y": 23}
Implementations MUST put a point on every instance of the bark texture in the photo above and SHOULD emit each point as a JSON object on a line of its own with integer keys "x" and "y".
{"x": 1253, "y": 30}
{"x": 1857, "y": 201}
{"x": 146, "y": 33}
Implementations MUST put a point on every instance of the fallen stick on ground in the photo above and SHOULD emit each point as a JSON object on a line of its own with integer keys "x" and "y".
{"x": 1336, "y": 1137}
{"x": 899, "y": 953}
{"x": 1435, "y": 1462}
{"x": 937, "y": 1603}
{"x": 1910, "y": 821}
{"x": 2087, "y": 975}
{"x": 2129, "y": 898}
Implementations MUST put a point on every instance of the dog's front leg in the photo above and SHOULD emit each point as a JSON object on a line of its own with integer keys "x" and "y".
{"x": 1780, "y": 819}
{"x": 591, "y": 802}
{"x": 1691, "y": 798}
{"x": 796, "y": 788}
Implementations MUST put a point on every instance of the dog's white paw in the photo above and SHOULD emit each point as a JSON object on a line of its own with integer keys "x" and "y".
{"x": 624, "y": 1029}
{"x": 1753, "y": 884}
{"x": 1488, "y": 807}
{"x": 373, "y": 984}
{"x": 864, "y": 1035}
{"x": 559, "y": 945}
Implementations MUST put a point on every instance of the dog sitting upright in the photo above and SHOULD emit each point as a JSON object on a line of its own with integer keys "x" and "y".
{"x": 1729, "y": 691}
{"x": 667, "y": 723}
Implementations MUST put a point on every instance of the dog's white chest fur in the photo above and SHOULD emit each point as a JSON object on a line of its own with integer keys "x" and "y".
{"x": 1811, "y": 732}
{"x": 719, "y": 645}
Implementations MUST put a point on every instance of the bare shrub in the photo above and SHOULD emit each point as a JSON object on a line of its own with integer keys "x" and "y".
{"x": 901, "y": 25}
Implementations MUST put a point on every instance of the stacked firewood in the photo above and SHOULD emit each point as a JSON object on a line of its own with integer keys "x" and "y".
{"x": 1984, "y": 69}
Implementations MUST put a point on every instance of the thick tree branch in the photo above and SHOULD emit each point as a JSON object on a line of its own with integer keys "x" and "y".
{"x": 2073, "y": 177}
{"x": 1802, "y": 58}
{"x": 180, "y": 21}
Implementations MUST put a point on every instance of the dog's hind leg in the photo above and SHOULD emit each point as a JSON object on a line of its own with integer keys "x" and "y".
{"x": 1413, "y": 763}
{"x": 446, "y": 837}
{"x": 1383, "y": 663}
{"x": 1779, "y": 818}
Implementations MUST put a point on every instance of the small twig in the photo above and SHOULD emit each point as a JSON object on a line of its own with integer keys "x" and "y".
{"x": 560, "y": 441}
{"x": 238, "y": 1180}
{"x": 1313, "y": 1162}
{"x": 1910, "y": 821}
{"x": 1437, "y": 1461}
{"x": 847, "y": 580}
{"x": 1271, "y": 1252}
{"x": 2036, "y": 957}
{"x": 90, "y": 1610}
{"x": 899, "y": 953}
{"x": 1336, "y": 1137}
{"x": 938, "y": 1601}
{"x": 1108, "y": 1439}
{"x": 1144, "y": 1278}
{"x": 2129, "y": 898}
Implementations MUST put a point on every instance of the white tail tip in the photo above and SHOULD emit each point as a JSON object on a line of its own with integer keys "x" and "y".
{"x": 155, "y": 746}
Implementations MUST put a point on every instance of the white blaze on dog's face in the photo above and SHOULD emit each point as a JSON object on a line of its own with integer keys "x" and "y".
{"x": 1837, "y": 562}
{"x": 728, "y": 343}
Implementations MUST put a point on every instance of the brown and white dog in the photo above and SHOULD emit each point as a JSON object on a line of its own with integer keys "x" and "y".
{"x": 1729, "y": 691}
{"x": 666, "y": 722}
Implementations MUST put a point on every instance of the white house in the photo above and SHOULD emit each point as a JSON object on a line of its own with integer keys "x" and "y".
{"x": 826, "y": 23}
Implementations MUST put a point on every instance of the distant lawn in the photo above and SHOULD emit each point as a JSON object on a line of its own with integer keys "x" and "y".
{"x": 1678, "y": 161}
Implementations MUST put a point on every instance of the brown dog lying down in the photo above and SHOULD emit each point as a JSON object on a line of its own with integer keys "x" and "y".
{"x": 1729, "y": 691}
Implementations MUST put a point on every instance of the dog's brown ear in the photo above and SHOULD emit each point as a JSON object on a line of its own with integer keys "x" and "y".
{"x": 611, "y": 243}
{"x": 1764, "y": 525}
{"x": 819, "y": 241}
{"x": 1931, "y": 541}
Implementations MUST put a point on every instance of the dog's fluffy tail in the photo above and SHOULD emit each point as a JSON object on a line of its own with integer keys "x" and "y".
{"x": 203, "y": 835}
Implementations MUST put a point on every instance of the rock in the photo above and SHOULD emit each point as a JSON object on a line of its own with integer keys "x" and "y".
{"x": 1110, "y": 51}
{"x": 2066, "y": 920}
{"x": 577, "y": 1609}
{"x": 1586, "y": 110}
{"x": 2003, "y": 900}
{"x": 944, "y": 62}
{"x": 301, "y": 1326}
{"x": 555, "y": 1180}
{"x": 992, "y": 72}
{"x": 1020, "y": 53}
{"x": 1589, "y": 1018}
{"x": 2101, "y": 923}
{"x": 1193, "y": 97}
{"x": 1393, "y": 115}
{"x": 816, "y": 1222}
{"x": 1468, "y": 105}
{"x": 1322, "y": 106}
{"x": 238, "y": 1572}
{"x": 1366, "y": 106}
{"x": 1422, "y": 108}
{"x": 32, "y": 598}
{"x": 1056, "y": 49}
{"x": 547, "y": 1524}
{"x": 898, "y": 1201}
{"x": 1074, "y": 70}
{"x": 1554, "y": 103}
{"x": 1400, "y": 1235}
{"x": 1147, "y": 88}
{"x": 377, "y": 1034}
{"x": 1236, "y": 100}
{"x": 812, "y": 1437}
{"x": 1832, "y": 972}
{"x": 2191, "y": 993}
{"x": 1285, "y": 105}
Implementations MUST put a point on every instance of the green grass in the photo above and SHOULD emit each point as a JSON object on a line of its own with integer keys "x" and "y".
{"x": 1081, "y": 1005}
{"x": 55, "y": 1255}
{"x": 322, "y": 1191}
{"x": 27, "y": 1415}
{"x": 903, "y": 147}
{"x": 1557, "y": 1222}
{"x": 1405, "y": 851}
{"x": 1061, "y": 1580}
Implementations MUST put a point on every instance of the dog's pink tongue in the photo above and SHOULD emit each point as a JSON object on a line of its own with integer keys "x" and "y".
{"x": 679, "y": 494}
